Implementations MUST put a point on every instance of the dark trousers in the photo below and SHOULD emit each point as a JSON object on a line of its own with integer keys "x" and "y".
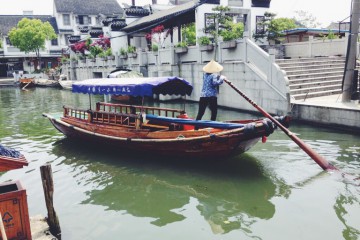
{"x": 203, "y": 103}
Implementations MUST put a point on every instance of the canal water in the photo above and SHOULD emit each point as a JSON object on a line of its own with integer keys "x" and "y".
{"x": 274, "y": 191}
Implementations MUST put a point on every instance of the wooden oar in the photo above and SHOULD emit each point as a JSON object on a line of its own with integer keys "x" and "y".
{"x": 320, "y": 160}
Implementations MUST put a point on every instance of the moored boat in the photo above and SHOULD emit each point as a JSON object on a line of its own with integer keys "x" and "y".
{"x": 46, "y": 83}
{"x": 26, "y": 82}
{"x": 154, "y": 130}
{"x": 66, "y": 84}
{"x": 11, "y": 159}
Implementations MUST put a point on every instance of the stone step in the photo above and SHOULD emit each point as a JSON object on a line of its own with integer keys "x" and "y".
{"x": 315, "y": 94}
{"x": 312, "y": 84}
{"x": 323, "y": 66}
{"x": 304, "y": 60}
{"x": 333, "y": 87}
{"x": 316, "y": 63}
{"x": 312, "y": 79}
{"x": 302, "y": 71}
{"x": 315, "y": 75}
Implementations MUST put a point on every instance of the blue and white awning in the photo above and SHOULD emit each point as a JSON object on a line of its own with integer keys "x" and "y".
{"x": 134, "y": 86}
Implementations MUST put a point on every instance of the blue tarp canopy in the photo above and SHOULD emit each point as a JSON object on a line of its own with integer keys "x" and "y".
{"x": 134, "y": 86}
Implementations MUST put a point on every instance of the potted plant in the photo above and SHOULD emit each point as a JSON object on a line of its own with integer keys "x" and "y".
{"x": 131, "y": 51}
{"x": 155, "y": 49}
{"x": 181, "y": 47}
{"x": 82, "y": 58}
{"x": 205, "y": 43}
{"x": 109, "y": 54}
{"x": 64, "y": 60}
{"x": 230, "y": 33}
{"x": 123, "y": 53}
{"x": 74, "y": 59}
{"x": 95, "y": 50}
{"x": 102, "y": 56}
{"x": 91, "y": 57}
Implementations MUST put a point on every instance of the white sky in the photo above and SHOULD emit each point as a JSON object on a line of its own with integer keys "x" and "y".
{"x": 325, "y": 11}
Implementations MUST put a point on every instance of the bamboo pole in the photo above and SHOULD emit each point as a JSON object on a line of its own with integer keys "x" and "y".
{"x": 320, "y": 160}
{"x": 48, "y": 186}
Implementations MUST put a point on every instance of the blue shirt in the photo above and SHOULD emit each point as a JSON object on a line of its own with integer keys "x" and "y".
{"x": 210, "y": 83}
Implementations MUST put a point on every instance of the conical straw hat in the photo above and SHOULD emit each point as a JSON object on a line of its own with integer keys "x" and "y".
{"x": 212, "y": 67}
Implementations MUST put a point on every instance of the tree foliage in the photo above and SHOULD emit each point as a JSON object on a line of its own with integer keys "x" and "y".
{"x": 188, "y": 34}
{"x": 275, "y": 27}
{"x": 223, "y": 25}
{"x": 30, "y": 34}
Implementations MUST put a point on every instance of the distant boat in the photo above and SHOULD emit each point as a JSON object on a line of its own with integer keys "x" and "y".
{"x": 26, "y": 82}
{"x": 155, "y": 130}
{"x": 66, "y": 84}
{"x": 11, "y": 159}
{"x": 40, "y": 82}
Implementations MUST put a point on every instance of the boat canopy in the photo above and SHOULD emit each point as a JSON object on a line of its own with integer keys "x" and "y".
{"x": 142, "y": 86}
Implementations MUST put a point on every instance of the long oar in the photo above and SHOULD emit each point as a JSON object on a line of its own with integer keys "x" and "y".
{"x": 320, "y": 160}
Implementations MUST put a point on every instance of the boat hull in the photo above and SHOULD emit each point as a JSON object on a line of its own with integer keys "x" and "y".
{"x": 10, "y": 163}
{"x": 210, "y": 146}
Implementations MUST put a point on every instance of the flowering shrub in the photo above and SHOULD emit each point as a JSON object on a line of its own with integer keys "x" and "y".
{"x": 79, "y": 47}
{"x": 95, "y": 48}
{"x": 158, "y": 34}
{"x": 103, "y": 42}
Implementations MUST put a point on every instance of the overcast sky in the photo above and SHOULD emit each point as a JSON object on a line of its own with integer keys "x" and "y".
{"x": 325, "y": 11}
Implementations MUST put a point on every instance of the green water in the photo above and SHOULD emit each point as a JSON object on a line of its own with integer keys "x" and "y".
{"x": 274, "y": 191}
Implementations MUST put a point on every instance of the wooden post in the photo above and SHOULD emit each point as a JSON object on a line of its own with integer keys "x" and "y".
{"x": 48, "y": 186}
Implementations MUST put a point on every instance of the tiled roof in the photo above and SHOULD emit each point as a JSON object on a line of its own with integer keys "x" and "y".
{"x": 161, "y": 16}
{"x": 7, "y": 22}
{"x": 88, "y": 7}
{"x": 137, "y": 11}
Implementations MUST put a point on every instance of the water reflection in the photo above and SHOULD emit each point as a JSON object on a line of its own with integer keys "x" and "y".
{"x": 233, "y": 197}
{"x": 231, "y": 194}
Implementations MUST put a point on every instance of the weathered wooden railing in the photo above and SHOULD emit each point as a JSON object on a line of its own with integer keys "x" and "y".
{"x": 76, "y": 113}
{"x": 120, "y": 114}
{"x": 114, "y": 118}
{"x": 123, "y": 108}
{"x": 98, "y": 116}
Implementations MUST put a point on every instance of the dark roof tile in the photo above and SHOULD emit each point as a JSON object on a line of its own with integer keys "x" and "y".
{"x": 7, "y": 22}
{"x": 88, "y": 7}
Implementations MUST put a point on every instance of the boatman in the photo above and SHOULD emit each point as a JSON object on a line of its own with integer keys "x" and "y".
{"x": 211, "y": 80}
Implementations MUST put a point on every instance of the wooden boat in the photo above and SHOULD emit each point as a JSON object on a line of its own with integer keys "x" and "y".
{"x": 11, "y": 161}
{"x": 154, "y": 130}
{"x": 46, "y": 83}
{"x": 26, "y": 82}
{"x": 66, "y": 84}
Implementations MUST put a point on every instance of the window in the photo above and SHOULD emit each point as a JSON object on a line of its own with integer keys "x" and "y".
{"x": 54, "y": 42}
{"x": 236, "y": 3}
{"x": 66, "y": 19}
{"x": 209, "y": 22}
{"x": 83, "y": 20}
{"x": 260, "y": 28}
{"x": 260, "y": 3}
{"x": 98, "y": 21}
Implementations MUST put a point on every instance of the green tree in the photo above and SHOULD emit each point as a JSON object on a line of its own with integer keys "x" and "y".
{"x": 188, "y": 34}
{"x": 30, "y": 34}
{"x": 275, "y": 27}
